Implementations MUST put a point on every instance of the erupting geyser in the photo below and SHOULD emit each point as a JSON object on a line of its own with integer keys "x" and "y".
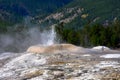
{"x": 51, "y": 36}
{"x": 20, "y": 41}
{"x": 48, "y": 37}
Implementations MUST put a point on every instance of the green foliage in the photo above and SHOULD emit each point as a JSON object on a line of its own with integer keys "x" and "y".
{"x": 91, "y": 35}
{"x": 3, "y": 26}
{"x": 14, "y": 10}
{"x": 98, "y": 11}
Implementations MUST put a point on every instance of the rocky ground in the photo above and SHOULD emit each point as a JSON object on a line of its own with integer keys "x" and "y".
{"x": 83, "y": 64}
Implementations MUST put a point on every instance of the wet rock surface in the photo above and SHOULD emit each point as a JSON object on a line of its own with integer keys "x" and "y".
{"x": 64, "y": 65}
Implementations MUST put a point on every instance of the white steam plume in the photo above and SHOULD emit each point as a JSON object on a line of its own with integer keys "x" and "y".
{"x": 20, "y": 41}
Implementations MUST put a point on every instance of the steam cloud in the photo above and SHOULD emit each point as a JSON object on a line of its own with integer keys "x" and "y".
{"x": 20, "y": 41}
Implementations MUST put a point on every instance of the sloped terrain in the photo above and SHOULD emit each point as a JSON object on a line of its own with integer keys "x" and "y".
{"x": 76, "y": 13}
{"x": 80, "y": 12}
{"x": 100, "y": 11}
{"x": 14, "y": 10}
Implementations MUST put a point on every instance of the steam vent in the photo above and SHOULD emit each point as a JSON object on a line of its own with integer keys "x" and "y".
{"x": 61, "y": 62}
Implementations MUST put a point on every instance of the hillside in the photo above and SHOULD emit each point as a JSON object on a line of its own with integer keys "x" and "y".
{"x": 79, "y": 12}
{"x": 100, "y": 11}
{"x": 75, "y": 12}
{"x": 13, "y": 11}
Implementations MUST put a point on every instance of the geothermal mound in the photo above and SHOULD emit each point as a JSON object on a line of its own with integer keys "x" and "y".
{"x": 53, "y": 48}
{"x": 104, "y": 48}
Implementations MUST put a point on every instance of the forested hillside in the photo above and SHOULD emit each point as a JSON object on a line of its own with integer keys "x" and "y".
{"x": 13, "y": 10}
{"x": 98, "y": 10}
{"x": 79, "y": 12}
{"x": 91, "y": 35}
{"x": 97, "y": 23}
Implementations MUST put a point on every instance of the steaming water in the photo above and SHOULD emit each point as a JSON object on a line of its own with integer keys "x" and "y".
{"x": 48, "y": 37}
{"x": 19, "y": 42}
{"x": 52, "y": 36}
